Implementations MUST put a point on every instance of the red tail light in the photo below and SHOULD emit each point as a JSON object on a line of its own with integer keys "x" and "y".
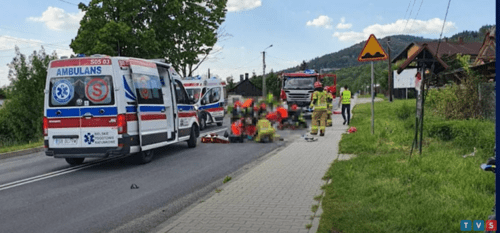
{"x": 122, "y": 123}
{"x": 283, "y": 95}
{"x": 45, "y": 126}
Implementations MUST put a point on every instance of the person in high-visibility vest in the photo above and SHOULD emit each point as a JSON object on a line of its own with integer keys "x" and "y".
{"x": 264, "y": 129}
{"x": 329, "y": 107}
{"x": 346, "y": 104}
{"x": 319, "y": 102}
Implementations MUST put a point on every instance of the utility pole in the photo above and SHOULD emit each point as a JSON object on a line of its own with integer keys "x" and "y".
{"x": 208, "y": 73}
{"x": 390, "y": 70}
{"x": 264, "y": 72}
{"x": 264, "y": 75}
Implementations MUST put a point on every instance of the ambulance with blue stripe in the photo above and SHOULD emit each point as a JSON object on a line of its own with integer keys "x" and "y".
{"x": 102, "y": 106}
{"x": 209, "y": 96}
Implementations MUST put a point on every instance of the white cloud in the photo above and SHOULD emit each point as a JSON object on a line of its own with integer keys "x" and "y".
{"x": 9, "y": 42}
{"x": 321, "y": 21}
{"x": 343, "y": 25}
{"x": 242, "y": 5}
{"x": 4, "y": 73}
{"x": 57, "y": 19}
{"x": 415, "y": 27}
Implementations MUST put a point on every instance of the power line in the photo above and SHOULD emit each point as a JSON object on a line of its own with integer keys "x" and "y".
{"x": 417, "y": 13}
{"x": 407, "y": 10}
{"x": 442, "y": 29}
{"x": 69, "y": 2}
{"x": 409, "y": 16}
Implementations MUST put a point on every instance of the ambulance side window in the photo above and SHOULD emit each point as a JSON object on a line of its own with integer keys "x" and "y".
{"x": 148, "y": 89}
{"x": 215, "y": 95}
{"x": 207, "y": 97}
{"x": 180, "y": 93}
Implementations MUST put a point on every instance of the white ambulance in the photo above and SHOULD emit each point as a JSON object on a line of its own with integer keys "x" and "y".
{"x": 210, "y": 98}
{"x": 102, "y": 106}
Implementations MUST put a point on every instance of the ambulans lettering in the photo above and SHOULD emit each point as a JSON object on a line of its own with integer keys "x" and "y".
{"x": 79, "y": 71}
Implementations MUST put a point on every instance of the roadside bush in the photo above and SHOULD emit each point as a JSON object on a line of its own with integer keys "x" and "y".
{"x": 405, "y": 111}
{"x": 465, "y": 134}
{"x": 441, "y": 130}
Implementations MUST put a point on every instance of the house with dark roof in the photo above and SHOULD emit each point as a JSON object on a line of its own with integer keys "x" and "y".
{"x": 426, "y": 52}
{"x": 246, "y": 89}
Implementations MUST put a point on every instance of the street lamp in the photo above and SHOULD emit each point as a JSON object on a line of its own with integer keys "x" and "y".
{"x": 264, "y": 72}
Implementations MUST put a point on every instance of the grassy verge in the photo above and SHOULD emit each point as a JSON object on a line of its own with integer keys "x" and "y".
{"x": 383, "y": 190}
{"x": 9, "y": 147}
{"x": 379, "y": 95}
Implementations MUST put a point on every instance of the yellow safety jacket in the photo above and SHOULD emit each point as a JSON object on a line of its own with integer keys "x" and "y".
{"x": 264, "y": 127}
{"x": 319, "y": 100}
{"x": 329, "y": 100}
{"x": 346, "y": 97}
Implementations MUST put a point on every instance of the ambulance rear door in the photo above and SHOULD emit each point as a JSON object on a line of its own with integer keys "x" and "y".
{"x": 151, "y": 110}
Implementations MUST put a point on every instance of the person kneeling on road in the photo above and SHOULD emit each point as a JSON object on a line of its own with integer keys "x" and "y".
{"x": 264, "y": 129}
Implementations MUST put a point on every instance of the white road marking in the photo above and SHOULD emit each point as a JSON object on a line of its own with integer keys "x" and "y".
{"x": 71, "y": 169}
{"x": 56, "y": 173}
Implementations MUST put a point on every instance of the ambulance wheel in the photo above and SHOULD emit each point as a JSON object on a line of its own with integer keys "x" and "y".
{"x": 74, "y": 161}
{"x": 203, "y": 122}
{"x": 219, "y": 123}
{"x": 192, "y": 138}
{"x": 144, "y": 157}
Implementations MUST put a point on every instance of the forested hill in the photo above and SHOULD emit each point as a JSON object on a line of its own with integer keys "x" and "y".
{"x": 349, "y": 56}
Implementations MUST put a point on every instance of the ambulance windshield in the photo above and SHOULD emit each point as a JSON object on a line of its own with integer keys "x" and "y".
{"x": 81, "y": 91}
{"x": 194, "y": 93}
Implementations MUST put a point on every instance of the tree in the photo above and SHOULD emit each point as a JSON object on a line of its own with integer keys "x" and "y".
{"x": 21, "y": 118}
{"x": 116, "y": 28}
{"x": 186, "y": 29}
{"x": 303, "y": 65}
{"x": 181, "y": 31}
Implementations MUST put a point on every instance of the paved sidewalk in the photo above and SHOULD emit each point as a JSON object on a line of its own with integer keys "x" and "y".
{"x": 275, "y": 196}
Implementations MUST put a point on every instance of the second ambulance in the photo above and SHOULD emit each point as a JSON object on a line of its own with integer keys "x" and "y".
{"x": 209, "y": 96}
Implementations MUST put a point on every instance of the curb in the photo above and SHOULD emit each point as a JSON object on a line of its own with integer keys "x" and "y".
{"x": 21, "y": 152}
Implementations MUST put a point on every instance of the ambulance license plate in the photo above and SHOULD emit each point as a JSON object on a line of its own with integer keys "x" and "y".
{"x": 65, "y": 141}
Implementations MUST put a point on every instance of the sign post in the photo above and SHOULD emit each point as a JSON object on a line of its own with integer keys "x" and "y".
{"x": 372, "y": 51}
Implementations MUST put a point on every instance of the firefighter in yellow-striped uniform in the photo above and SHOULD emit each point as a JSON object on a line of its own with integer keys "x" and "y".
{"x": 329, "y": 108}
{"x": 319, "y": 102}
{"x": 264, "y": 129}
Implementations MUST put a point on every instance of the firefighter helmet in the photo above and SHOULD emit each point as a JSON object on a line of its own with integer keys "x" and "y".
{"x": 318, "y": 84}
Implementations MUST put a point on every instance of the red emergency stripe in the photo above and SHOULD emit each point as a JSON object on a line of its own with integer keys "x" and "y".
{"x": 99, "y": 122}
{"x": 215, "y": 109}
{"x": 131, "y": 117}
{"x": 134, "y": 62}
{"x": 149, "y": 117}
{"x": 187, "y": 114}
{"x": 81, "y": 62}
{"x": 59, "y": 123}
{"x": 56, "y": 123}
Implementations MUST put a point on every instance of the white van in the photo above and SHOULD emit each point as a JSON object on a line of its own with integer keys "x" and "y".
{"x": 210, "y": 98}
{"x": 102, "y": 106}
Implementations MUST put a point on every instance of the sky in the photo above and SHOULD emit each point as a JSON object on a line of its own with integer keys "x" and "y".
{"x": 298, "y": 30}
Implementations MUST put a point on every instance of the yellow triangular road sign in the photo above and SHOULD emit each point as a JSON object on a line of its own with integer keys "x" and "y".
{"x": 372, "y": 51}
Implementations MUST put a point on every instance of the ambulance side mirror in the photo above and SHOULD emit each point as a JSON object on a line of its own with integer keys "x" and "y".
{"x": 203, "y": 101}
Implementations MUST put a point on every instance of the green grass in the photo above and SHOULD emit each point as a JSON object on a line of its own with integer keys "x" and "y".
{"x": 379, "y": 95}
{"x": 9, "y": 147}
{"x": 383, "y": 190}
{"x": 226, "y": 179}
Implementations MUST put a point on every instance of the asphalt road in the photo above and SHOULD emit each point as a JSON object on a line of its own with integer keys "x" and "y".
{"x": 43, "y": 194}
